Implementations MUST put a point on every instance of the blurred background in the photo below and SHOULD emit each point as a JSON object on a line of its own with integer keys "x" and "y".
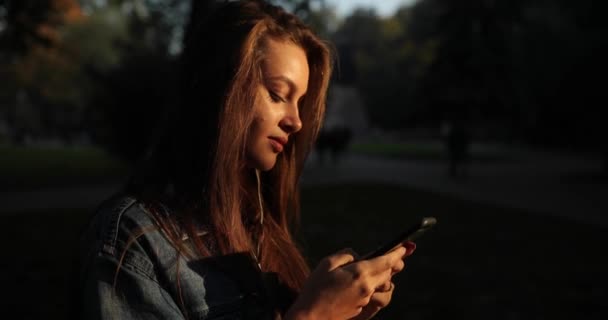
{"x": 486, "y": 114}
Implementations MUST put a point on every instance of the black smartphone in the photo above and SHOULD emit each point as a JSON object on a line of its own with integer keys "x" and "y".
{"x": 410, "y": 234}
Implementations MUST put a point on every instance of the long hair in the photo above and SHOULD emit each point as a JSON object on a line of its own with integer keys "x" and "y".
{"x": 197, "y": 168}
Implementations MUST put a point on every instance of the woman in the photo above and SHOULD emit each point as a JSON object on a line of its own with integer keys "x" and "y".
{"x": 202, "y": 231}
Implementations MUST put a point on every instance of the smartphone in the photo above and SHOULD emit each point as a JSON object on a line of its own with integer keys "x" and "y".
{"x": 410, "y": 234}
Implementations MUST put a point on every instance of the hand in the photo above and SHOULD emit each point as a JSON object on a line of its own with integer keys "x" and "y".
{"x": 340, "y": 287}
{"x": 380, "y": 299}
{"x": 382, "y": 296}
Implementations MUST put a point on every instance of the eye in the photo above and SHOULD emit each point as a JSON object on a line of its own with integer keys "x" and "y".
{"x": 275, "y": 97}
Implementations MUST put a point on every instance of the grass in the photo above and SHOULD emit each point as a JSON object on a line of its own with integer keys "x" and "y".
{"x": 24, "y": 168}
{"x": 420, "y": 151}
{"x": 36, "y": 167}
{"x": 480, "y": 261}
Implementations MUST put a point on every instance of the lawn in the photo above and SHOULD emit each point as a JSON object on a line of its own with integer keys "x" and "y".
{"x": 480, "y": 262}
{"x": 37, "y": 167}
{"x": 427, "y": 151}
{"x": 26, "y": 168}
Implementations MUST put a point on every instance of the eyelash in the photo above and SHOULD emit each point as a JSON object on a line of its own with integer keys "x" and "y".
{"x": 275, "y": 97}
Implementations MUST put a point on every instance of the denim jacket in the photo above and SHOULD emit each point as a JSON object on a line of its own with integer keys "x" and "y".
{"x": 154, "y": 282}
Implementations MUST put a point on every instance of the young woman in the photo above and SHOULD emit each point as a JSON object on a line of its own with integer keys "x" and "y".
{"x": 203, "y": 229}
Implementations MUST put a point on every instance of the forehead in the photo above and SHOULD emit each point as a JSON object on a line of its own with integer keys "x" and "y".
{"x": 284, "y": 59}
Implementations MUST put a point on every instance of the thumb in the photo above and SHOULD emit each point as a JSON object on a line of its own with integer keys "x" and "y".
{"x": 340, "y": 258}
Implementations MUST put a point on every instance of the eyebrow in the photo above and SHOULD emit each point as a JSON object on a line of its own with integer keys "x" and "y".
{"x": 290, "y": 83}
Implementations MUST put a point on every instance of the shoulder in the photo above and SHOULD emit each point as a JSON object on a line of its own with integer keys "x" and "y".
{"x": 115, "y": 220}
{"x": 123, "y": 234}
{"x": 121, "y": 229}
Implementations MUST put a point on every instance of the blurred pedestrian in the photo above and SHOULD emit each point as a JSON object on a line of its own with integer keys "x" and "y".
{"x": 457, "y": 140}
{"x": 202, "y": 231}
{"x": 333, "y": 143}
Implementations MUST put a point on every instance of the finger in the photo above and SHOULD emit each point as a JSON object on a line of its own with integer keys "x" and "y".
{"x": 386, "y": 286}
{"x": 398, "y": 267}
{"x": 351, "y": 252}
{"x": 387, "y": 261}
{"x": 381, "y": 278}
{"x": 396, "y": 254}
{"x": 382, "y": 299}
{"x": 339, "y": 258}
{"x": 396, "y": 247}
{"x": 357, "y": 311}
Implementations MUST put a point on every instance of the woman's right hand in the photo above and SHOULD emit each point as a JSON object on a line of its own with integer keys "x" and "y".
{"x": 340, "y": 287}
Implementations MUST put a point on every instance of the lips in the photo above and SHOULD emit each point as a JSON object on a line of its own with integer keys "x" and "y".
{"x": 278, "y": 143}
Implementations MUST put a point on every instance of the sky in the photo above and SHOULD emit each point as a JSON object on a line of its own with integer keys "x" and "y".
{"x": 383, "y": 7}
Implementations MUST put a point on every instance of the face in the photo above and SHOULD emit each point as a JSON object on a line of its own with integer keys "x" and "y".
{"x": 276, "y": 115}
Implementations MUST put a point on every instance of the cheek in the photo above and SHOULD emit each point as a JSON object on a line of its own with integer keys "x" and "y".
{"x": 256, "y": 133}
{"x": 262, "y": 119}
{"x": 265, "y": 119}
{"x": 257, "y": 127}
{"x": 259, "y": 115}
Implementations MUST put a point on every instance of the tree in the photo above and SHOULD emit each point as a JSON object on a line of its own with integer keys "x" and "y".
{"x": 129, "y": 98}
{"x": 61, "y": 59}
{"x": 520, "y": 64}
{"x": 33, "y": 62}
{"x": 385, "y": 61}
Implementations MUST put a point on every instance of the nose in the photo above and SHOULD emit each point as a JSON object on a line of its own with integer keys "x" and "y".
{"x": 291, "y": 122}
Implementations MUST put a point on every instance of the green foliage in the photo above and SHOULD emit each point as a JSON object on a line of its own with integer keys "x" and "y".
{"x": 315, "y": 13}
{"x": 97, "y": 68}
{"x": 389, "y": 61}
{"x": 55, "y": 77}
{"x": 521, "y": 63}
{"x": 95, "y": 40}
{"x": 59, "y": 73}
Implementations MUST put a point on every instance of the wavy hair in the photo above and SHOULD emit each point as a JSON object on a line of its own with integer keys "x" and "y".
{"x": 198, "y": 169}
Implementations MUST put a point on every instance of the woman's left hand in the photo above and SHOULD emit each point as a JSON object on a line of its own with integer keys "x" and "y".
{"x": 380, "y": 299}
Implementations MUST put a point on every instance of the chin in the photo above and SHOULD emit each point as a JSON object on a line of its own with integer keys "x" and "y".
{"x": 267, "y": 167}
{"x": 265, "y": 164}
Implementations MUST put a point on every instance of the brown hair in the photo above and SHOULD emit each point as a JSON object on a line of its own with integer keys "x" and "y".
{"x": 197, "y": 168}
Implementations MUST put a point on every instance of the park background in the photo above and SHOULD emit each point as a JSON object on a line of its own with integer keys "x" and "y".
{"x": 486, "y": 114}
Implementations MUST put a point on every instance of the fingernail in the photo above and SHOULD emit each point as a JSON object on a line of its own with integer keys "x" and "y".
{"x": 411, "y": 247}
